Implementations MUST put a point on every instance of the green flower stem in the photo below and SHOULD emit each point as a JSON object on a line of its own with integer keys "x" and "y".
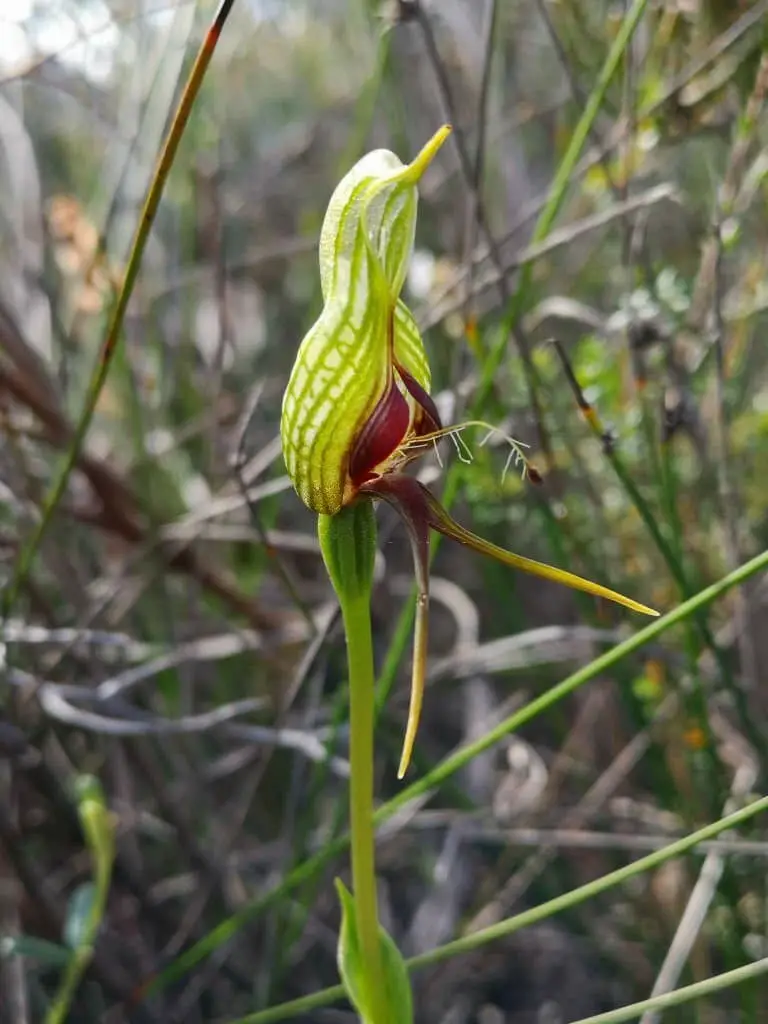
{"x": 357, "y": 626}
{"x": 348, "y": 543}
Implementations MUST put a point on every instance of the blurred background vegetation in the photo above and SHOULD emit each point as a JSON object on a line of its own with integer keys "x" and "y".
{"x": 177, "y": 637}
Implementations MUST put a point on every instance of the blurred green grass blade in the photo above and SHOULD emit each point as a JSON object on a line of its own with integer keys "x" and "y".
{"x": 698, "y": 990}
{"x": 590, "y": 889}
{"x": 583, "y": 675}
{"x": 114, "y": 330}
{"x": 559, "y": 187}
{"x": 671, "y": 551}
{"x": 534, "y": 915}
{"x": 229, "y": 927}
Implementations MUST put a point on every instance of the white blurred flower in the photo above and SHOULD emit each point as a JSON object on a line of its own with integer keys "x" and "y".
{"x": 421, "y": 273}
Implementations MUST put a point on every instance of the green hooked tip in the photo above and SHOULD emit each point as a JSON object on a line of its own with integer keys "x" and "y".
{"x": 421, "y": 162}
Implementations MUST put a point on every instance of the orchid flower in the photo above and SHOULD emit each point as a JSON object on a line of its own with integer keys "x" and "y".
{"x": 357, "y": 407}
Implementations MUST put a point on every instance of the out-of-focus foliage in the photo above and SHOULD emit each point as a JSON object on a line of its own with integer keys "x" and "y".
{"x": 177, "y": 637}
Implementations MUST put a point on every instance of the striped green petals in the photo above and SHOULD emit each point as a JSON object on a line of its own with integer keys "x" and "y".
{"x": 409, "y": 348}
{"x": 361, "y": 379}
{"x": 339, "y": 375}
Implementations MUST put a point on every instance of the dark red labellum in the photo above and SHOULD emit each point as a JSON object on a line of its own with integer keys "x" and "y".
{"x": 382, "y": 433}
{"x": 429, "y": 420}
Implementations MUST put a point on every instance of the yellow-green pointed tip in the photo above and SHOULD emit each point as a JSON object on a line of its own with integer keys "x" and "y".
{"x": 440, "y": 520}
{"x": 612, "y": 595}
{"x": 418, "y": 678}
{"x": 421, "y": 162}
{"x": 644, "y": 609}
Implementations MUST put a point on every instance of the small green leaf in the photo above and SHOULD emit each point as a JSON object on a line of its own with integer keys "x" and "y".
{"x": 48, "y": 953}
{"x": 79, "y": 910}
{"x": 349, "y": 957}
{"x": 352, "y": 967}
{"x": 397, "y": 982}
